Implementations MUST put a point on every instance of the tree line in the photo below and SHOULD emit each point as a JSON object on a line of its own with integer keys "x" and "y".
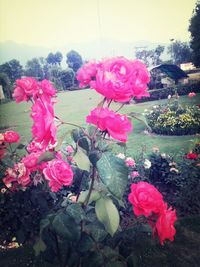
{"x": 65, "y": 78}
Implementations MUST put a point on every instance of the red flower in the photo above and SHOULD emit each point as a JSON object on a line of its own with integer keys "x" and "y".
{"x": 191, "y": 156}
{"x": 11, "y": 137}
{"x": 165, "y": 225}
{"x": 146, "y": 199}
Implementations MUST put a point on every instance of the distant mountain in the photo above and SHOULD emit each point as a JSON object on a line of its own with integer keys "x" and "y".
{"x": 91, "y": 50}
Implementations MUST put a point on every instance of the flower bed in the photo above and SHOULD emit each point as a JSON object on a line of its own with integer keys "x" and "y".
{"x": 174, "y": 119}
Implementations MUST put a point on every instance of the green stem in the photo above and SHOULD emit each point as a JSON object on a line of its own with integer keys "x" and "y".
{"x": 91, "y": 186}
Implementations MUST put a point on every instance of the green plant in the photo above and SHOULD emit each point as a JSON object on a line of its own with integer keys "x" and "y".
{"x": 174, "y": 119}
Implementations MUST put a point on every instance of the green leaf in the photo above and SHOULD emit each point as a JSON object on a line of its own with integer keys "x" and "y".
{"x": 46, "y": 156}
{"x": 76, "y": 134}
{"x": 84, "y": 142}
{"x": 86, "y": 243}
{"x": 107, "y": 214}
{"x": 96, "y": 230}
{"x": 95, "y": 195}
{"x": 66, "y": 227}
{"x": 20, "y": 146}
{"x": 113, "y": 173}
{"x": 39, "y": 247}
{"x": 82, "y": 160}
{"x": 94, "y": 156}
{"x": 75, "y": 210}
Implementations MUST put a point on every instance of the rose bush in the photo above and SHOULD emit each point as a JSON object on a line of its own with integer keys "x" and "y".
{"x": 86, "y": 180}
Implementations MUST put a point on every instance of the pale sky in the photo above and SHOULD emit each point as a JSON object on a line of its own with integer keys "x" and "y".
{"x": 58, "y": 22}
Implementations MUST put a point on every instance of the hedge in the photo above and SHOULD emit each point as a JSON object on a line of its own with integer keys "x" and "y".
{"x": 163, "y": 93}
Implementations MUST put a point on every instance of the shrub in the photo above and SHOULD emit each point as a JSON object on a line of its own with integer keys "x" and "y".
{"x": 174, "y": 119}
{"x": 164, "y": 92}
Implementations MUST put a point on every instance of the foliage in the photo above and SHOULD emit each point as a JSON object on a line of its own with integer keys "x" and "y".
{"x": 74, "y": 60}
{"x": 178, "y": 179}
{"x": 12, "y": 69}
{"x": 54, "y": 58}
{"x": 85, "y": 181}
{"x": 180, "y": 52}
{"x": 194, "y": 29}
{"x": 163, "y": 93}
{"x": 67, "y": 78}
{"x": 150, "y": 57}
{"x": 35, "y": 68}
{"x": 174, "y": 119}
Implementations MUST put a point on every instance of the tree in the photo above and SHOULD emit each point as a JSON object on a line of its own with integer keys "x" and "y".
{"x": 34, "y": 68}
{"x": 58, "y": 57}
{"x": 67, "y": 78}
{"x": 12, "y": 69}
{"x": 150, "y": 57}
{"x": 194, "y": 29}
{"x": 74, "y": 60}
{"x": 50, "y": 59}
{"x": 180, "y": 52}
{"x": 54, "y": 59}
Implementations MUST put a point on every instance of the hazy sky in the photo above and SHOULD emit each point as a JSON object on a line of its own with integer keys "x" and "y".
{"x": 57, "y": 22}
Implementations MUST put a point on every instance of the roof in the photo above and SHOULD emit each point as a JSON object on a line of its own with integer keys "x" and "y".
{"x": 171, "y": 70}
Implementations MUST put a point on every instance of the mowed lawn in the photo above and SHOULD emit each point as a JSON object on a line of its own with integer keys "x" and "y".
{"x": 73, "y": 106}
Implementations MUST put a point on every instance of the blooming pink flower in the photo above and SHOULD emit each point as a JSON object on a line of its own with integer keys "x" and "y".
{"x": 59, "y": 173}
{"x": 86, "y": 73}
{"x": 118, "y": 78}
{"x": 43, "y": 129}
{"x": 165, "y": 225}
{"x": 130, "y": 162}
{"x": 35, "y": 147}
{"x": 135, "y": 174}
{"x": 115, "y": 124}
{"x": 11, "y": 137}
{"x": 46, "y": 88}
{"x": 31, "y": 161}
{"x": 191, "y": 94}
{"x": 25, "y": 88}
{"x": 69, "y": 149}
{"x": 146, "y": 199}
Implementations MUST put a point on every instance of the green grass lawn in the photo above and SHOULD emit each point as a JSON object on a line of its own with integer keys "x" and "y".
{"x": 74, "y": 106}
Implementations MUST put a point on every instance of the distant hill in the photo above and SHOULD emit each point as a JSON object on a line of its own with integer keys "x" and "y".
{"x": 91, "y": 50}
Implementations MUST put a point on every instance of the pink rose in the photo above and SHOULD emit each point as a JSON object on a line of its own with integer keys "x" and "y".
{"x": 58, "y": 173}
{"x": 43, "y": 129}
{"x": 117, "y": 78}
{"x": 25, "y": 88}
{"x": 86, "y": 73}
{"x": 146, "y": 199}
{"x": 46, "y": 87}
{"x": 165, "y": 225}
{"x": 130, "y": 162}
{"x": 115, "y": 124}
{"x": 11, "y": 137}
{"x": 31, "y": 161}
{"x": 191, "y": 94}
{"x": 35, "y": 147}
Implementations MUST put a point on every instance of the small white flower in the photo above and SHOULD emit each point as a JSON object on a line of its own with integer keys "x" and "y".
{"x": 169, "y": 96}
{"x": 147, "y": 164}
{"x": 163, "y": 155}
{"x": 121, "y": 156}
{"x": 155, "y": 106}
